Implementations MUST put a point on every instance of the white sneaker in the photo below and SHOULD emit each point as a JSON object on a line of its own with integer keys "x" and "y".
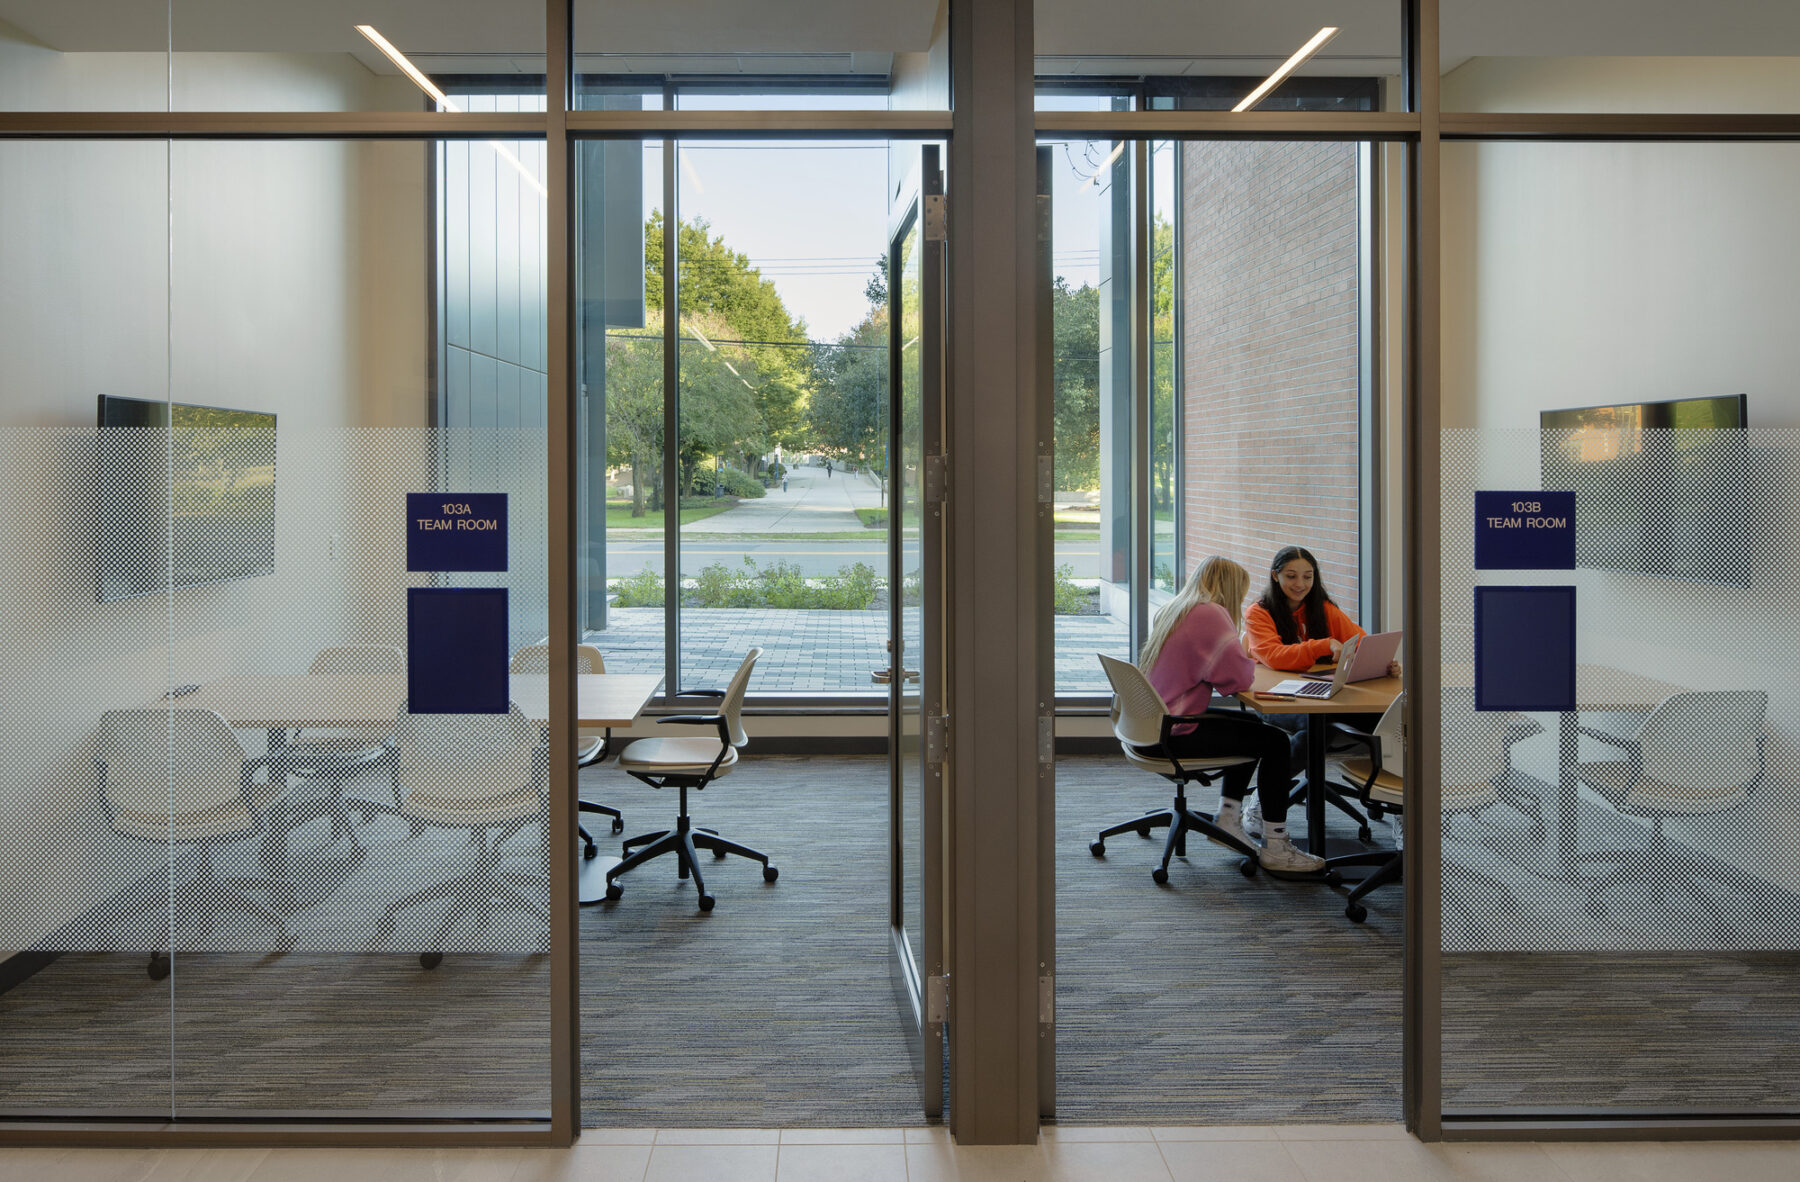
{"x": 1232, "y": 823}
{"x": 1281, "y": 856}
{"x": 1253, "y": 818}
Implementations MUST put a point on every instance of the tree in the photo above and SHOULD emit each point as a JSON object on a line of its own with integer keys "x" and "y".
{"x": 1075, "y": 399}
{"x": 719, "y": 282}
{"x": 719, "y": 415}
{"x": 848, "y": 412}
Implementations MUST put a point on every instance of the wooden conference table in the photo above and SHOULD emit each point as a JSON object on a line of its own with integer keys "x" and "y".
{"x": 283, "y": 702}
{"x": 1359, "y": 697}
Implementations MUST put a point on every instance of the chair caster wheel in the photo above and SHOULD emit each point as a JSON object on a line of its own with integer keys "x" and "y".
{"x": 706, "y": 902}
{"x": 588, "y": 850}
{"x": 1160, "y": 875}
{"x": 159, "y": 967}
{"x": 618, "y": 824}
{"x": 770, "y": 874}
{"x": 1333, "y": 878}
{"x": 430, "y": 960}
{"x": 1097, "y": 848}
{"x": 614, "y": 891}
{"x": 1366, "y": 835}
{"x": 1143, "y": 831}
{"x": 718, "y": 855}
{"x": 1247, "y": 867}
{"x": 1356, "y": 912}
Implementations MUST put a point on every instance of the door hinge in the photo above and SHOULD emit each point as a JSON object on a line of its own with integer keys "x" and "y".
{"x": 1046, "y": 480}
{"x": 937, "y": 999}
{"x": 935, "y": 479}
{"x": 1043, "y": 217}
{"x": 1046, "y": 738}
{"x": 937, "y": 737}
{"x": 1047, "y": 1000}
{"x": 937, "y": 217}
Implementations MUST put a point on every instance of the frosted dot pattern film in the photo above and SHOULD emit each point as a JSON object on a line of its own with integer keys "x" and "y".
{"x": 1663, "y": 813}
{"x": 185, "y": 770}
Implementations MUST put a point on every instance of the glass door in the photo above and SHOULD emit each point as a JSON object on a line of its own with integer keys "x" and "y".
{"x": 915, "y": 674}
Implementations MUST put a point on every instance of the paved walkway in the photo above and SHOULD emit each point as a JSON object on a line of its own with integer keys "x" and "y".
{"x": 813, "y": 504}
{"x": 814, "y": 652}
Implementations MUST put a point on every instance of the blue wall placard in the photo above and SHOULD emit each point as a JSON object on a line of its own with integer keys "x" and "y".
{"x": 1525, "y": 648}
{"x": 1524, "y": 531}
{"x": 456, "y": 652}
{"x": 456, "y": 531}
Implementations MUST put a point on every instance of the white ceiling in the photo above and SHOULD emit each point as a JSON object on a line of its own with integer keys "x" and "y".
{"x": 1099, "y": 36}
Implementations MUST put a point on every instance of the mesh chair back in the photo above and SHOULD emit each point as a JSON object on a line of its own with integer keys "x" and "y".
{"x": 170, "y": 761}
{"x": 535, "y": 658}
{"x": 733, "y": 705}
{"x": 1137, "y": 710}
{"x": 467, "y": 756}
{"x": 1391, "y": 730}
{"x": 359, "y": 660}
{"x": 1706, "y": 742}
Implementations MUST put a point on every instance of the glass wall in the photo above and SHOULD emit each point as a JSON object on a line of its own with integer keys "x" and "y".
{"x": 252, "y": 868}
{"x": 1619, "y": 842}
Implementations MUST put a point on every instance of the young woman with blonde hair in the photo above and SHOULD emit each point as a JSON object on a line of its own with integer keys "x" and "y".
{"x": 1193, "y": 652}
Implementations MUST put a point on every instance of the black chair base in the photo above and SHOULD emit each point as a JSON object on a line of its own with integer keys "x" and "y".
{"x": 1334, "y": 796}
{"x": 1389, "y": 865}
{"x": 683, "y": 841}
{"x": 474, "y": 895}
{"x": 1179, "y": 820}
{"x": 588, "y": 848}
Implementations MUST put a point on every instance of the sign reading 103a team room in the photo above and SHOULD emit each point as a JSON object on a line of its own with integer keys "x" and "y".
{"x": 456, "y": 531}
{"x": 1525, "y": 531}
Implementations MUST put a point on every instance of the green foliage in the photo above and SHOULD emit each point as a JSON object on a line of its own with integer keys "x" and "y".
{"x": 739, "y": 483}
{"x": 1075, "y": 399}
{"x": 848, "y": 415}
{"x": 644, "y": 589}
{"x": 782, "y": 585}
{"x": 1068, "y": 598}
{"x": 873, "y": 518}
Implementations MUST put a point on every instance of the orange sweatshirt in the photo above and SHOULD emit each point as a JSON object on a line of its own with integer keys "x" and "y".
{"x": 1265, "y": 642}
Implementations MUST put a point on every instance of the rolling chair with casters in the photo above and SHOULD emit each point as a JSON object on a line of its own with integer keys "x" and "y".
{"x": 1143, "y": 725}
{"x": 685, "y": 764}
{"x": 1469, "y": 783}
{"x": 592, "y": 746}
{"x": 1698, "y": 753}
{"x": 484, "y": 773}
{"x": 331, "y": 758}
{"x": 211, "y": 800}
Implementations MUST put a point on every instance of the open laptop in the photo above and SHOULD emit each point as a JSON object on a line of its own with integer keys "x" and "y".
{"x": 1361, "y": 659}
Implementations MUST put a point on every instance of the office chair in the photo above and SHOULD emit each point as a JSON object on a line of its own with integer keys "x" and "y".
{"x": 180, "y": 780}
{"x": 1469, "y": 781}
{"x": 488, "y": 774}
{"x": 1143, "y": 726}
{"x": 685, "y": 764}
{"x": 331, "y": 758}
{"x": 591, "y": 746}
{"x": 1698, "y": 753}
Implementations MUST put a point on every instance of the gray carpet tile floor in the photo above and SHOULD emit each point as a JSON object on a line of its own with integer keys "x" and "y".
{"x": 1216, "y": 999}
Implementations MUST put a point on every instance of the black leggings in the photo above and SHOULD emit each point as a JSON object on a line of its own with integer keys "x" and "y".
{"x": 1229, "y": 732}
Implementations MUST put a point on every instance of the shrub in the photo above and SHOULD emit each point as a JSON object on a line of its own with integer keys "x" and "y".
{"x": 873, "y": 518}
{"x": 739, "y": 483}
{"x": 644, "y": 589}
{"x": 1069, "y": 598}
{"x": 717, "y": 585}
{"x": 853, "y": 587}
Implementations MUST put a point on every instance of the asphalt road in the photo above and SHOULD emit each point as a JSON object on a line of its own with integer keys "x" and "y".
{"x": 814, "y": 557}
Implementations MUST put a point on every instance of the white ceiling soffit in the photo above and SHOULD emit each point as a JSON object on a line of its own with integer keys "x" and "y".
{"x": 502, "y": 28}
{"x": 1619, "y": 28}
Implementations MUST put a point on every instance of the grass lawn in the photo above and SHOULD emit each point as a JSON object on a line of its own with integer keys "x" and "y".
{"x": 618, "y": 515}
{"x": 873, "y": 518}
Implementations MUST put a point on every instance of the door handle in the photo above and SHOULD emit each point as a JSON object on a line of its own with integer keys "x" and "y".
{"x": 884, "y": 676}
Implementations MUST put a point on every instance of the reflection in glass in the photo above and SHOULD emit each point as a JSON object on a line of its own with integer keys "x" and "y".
{"x": 908, "y": 500}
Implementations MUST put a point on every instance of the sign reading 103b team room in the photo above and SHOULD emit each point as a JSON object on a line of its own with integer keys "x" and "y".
{"x": 1525, "y": 531}
{"x": 456, "y": 531}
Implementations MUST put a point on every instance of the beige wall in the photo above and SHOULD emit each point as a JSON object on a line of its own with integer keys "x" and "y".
{"x": 287, "y": 277}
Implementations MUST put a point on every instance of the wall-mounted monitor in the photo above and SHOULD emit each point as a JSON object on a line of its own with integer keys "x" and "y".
{"x": 186, "y": 496}
{"x": 1654, "y": 482}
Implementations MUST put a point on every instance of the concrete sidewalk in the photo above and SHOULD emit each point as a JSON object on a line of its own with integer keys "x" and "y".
{"x": 812, "y": 504}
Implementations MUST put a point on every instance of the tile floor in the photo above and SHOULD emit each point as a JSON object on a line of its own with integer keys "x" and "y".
{"x": 1302, "y": 1153}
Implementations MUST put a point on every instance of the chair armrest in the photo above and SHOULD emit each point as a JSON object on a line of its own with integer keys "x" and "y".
{"x": 699, "y": 693}
{"x": 716, "y": 721}
{"x": 1614, "y": 740}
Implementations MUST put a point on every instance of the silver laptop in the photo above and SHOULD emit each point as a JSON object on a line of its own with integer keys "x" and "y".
{"x": 1361, "y": 659}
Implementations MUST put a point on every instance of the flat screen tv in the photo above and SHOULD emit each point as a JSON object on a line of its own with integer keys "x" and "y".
{"x": 186, "y": 495}
{"x": 1654, "y": 482}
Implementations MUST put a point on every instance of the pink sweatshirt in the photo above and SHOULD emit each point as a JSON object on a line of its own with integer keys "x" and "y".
{"x": 1200, "y": 656}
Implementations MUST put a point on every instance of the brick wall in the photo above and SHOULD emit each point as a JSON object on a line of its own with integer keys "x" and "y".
{"x": 1271, "y": 358}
